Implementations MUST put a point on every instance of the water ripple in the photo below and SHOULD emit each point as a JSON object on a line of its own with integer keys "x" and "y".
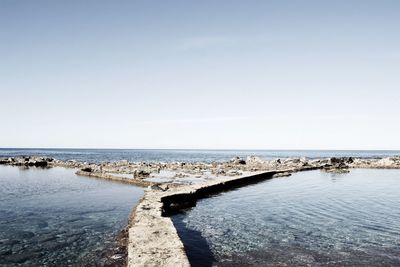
{"x": 305, "y": 220}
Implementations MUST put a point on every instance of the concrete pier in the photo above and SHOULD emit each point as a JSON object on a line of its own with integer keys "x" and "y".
{"x": 153, "y": 239}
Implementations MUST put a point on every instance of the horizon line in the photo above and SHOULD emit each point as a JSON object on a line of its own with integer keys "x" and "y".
{"x": 198, "y": 149}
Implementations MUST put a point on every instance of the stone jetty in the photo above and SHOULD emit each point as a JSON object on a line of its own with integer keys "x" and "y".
{"x": 148, "y": 173}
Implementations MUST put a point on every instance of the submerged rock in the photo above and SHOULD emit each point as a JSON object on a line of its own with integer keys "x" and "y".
{"x": 23, "y": 235}
{"x": 5, "y": 252}
{"x": 341, "y": 168}
{"x": 43, "y": 224}
{"x": 20, "y": 258}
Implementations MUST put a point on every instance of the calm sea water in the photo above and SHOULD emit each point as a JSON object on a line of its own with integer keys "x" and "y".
{"x": 309, "y": 219}
{"x": 99, "y": 155}
{"x": 51, "y": 217}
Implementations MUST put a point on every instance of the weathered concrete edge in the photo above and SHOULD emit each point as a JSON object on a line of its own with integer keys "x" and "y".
{"x": 153, "y": 239}
{"x": 114, "y": 178}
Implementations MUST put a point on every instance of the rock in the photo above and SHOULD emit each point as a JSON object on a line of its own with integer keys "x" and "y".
{"x": 159, "y": 187}
{"x": 42, "y": 163}
{"x": 237, "y": 160}
{"x": 10, "y": 242}
{"x": 87, "y": 169}
{"x": 24, "y": 235}
{"x": 254, "y": 160}
{"x": 53, "y": 245}
{"x": 345, "y": 160}
{"x": 46, "y": 238}
{"x": 72, "y": 239}
{"x": 318, "y": 162}
{"x": 292, "y": 160}
{"x": 141, "y": 174}
{"x": 43, "y": 224}
{"x": 27, "y": 161}
{"x": 164, "y": 187}
{"x": 338, "y": 165}
{"x": 336, "y": 170}
{"x": 181, "y": 175}
{"x": 20, "y": 258}
{"x": 233, "y": 173}
{"x": 117, "y": 256}
{"x": 220, "y": 172}
{"x": 387, "y": 162}
{"x": 282, "y": 174}
{"x": 5, "y": 252}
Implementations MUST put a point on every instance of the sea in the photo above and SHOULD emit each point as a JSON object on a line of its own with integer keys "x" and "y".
{"x": 52, "y": 217}
{"x": 185, "y": 155}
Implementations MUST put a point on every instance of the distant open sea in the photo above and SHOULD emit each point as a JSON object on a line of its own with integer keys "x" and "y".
{"x": 185, "y": 155}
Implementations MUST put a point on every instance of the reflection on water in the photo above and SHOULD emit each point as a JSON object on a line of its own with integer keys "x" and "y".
{"x": 309, "y": 219}
{"x": 53, "y": 217}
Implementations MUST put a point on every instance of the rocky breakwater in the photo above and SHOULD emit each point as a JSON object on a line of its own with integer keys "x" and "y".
{"x": 27, "y": 161}
{"x": 147, "y": 173}
{"x": 40, "y": 161}
{"x": 337, "y": 165}
{"x": 185, "y": 173}
{"x": 345, "y": 164}
{"x": 384, "y": 163}
{"x": 121, "y": 171}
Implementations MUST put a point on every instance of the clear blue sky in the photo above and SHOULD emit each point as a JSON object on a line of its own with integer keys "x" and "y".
{"x": 200, "y": 74}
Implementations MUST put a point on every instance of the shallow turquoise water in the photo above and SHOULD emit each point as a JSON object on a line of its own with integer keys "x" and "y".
{"x": 309, "y": 219}
{"x": 51, "y": 217}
